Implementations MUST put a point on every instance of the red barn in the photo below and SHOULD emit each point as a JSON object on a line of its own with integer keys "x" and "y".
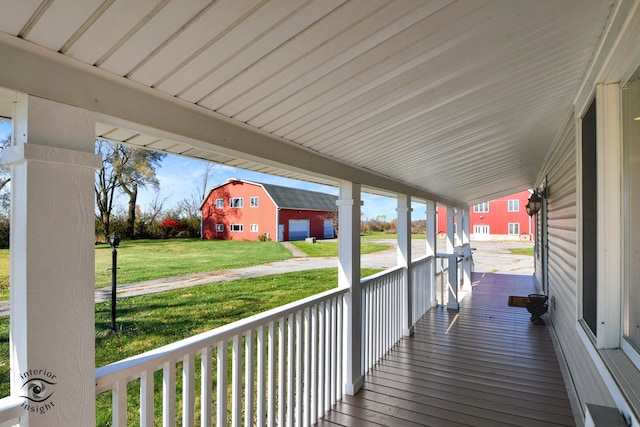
{"x": 504, "y": 218}
{"x": 244, "y": 210}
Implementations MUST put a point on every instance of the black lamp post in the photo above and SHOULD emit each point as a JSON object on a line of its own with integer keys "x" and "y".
{"x": 114, "y": 242}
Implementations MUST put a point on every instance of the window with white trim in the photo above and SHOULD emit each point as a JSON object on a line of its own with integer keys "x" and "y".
{"x": 219, "y": 203}
{"x": 254, "y": 202}
{"x": 253, "y": 228}
{"x": 236, "y": 202}
{"x": 481, "y": 207}
{"x": 513, "y": 205}
{"x": 219, "y": 228}
{"x": 514, "y": 228}
{"x": 236, "y": 227}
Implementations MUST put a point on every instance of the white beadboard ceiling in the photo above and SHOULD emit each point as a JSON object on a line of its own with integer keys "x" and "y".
{"x": 456, "y": 100}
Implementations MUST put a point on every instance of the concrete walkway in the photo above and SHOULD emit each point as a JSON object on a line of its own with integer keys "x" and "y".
{"x": 490, "y": 257}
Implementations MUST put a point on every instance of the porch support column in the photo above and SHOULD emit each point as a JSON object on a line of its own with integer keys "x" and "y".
{"x": 452, "y": 257}
{"x": 432, "y": 229}
{"x": 466, "y": 249}
{"x": 349, "y": 277}
{"x": 404, "y": 261}
{"x": 451, "y": 214}
{"x": 52, "y": 262}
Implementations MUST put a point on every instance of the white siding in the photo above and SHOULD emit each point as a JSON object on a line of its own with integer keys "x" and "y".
{"x": 561, "y": 172}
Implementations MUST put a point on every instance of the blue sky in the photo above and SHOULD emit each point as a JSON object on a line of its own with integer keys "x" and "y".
{"x": 180, "y": 178}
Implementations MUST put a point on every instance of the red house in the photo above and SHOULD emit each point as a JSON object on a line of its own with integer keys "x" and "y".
{"x": 504, "y": 218}
{"x": 244, "y": 210}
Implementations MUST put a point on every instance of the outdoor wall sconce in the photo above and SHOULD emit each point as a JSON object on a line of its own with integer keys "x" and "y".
{"x": 535, "y": 202}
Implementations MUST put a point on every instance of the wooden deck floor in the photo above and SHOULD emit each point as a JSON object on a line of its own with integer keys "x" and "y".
{"x": 485, "y": 365}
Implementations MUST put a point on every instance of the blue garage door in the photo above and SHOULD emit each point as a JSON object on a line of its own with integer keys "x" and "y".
{"x": 298, "y": 229}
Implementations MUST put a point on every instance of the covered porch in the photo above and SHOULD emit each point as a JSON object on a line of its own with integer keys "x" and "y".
{"x": 440, "y": 102}
{"x": 484, "y": 365}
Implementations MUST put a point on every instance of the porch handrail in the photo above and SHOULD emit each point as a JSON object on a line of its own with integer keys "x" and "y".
{"x": 308, "y": 370}
{"x": 11, "y": 410}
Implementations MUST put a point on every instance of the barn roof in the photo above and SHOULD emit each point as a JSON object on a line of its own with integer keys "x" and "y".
{"x": 288, "y": 197}
{"x": 295, "y": 198}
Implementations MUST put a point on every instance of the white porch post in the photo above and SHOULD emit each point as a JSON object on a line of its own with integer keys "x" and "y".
{"x": 451, "y": 214}
{"x": 349, "y": 277}
{"x": 404, "y": 261}
{"x": 52, "y": 262}
{"x": 432, "y": 229}
{"x": 466, "y": 243}
{"x": 453, "y": 267}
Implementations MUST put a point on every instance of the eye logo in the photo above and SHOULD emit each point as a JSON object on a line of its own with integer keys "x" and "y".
{"x": 37, "y": 389}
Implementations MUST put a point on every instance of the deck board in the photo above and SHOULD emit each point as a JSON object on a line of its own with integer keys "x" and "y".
{"x": 484, "y": 365}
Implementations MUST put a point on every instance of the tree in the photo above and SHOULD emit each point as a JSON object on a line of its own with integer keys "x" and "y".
{"x": 5, "y": 172}
{"x": 189, "y": 207}
{"x": 106, "y": 183}
{"x": 125, "y": 168}
{"x": 136, "y": 169}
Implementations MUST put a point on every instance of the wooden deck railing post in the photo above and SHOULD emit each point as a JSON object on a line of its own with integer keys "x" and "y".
{"x": 404, "y": 261}
{"x": 349, "y": 277}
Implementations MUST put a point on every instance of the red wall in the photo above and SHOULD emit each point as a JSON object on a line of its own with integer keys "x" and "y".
{"x": 264, "y": 215}
{"x": 498, "y": 217}
{"x": 316, "y": 221}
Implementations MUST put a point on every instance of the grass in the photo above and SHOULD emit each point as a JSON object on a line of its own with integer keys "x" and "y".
{"x": 330, "y": 249}
{"x": 151, "y": 321}
{"x": 4, "y": 274}
{"x": 394, "y": 236}
{"x": 140, "y": 260}
{"x": 522, "y": 251}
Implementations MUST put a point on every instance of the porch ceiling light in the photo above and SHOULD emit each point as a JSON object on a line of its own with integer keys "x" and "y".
{"x": 535, "y": 203}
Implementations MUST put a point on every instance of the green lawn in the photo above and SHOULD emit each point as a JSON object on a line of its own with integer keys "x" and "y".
{"x": 522, "y": 251}
{"x": 140, "y": 260}
{"x": 330, "y": 249}
{"x": 150, "y": 321}
{"x": 376, "y": 235}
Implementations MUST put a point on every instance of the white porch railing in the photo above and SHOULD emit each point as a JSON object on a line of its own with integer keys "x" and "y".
{"x": 11, "y": 411}
{"x": 285, "y": 369}
{"x": 381, "y": 315}
{"x": 382, "y": 296}
{"x": 281, "y": 367}
{"x": 421, "y": 285}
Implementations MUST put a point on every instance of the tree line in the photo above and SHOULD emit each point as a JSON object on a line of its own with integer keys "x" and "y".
{"x": 124, "y": 172}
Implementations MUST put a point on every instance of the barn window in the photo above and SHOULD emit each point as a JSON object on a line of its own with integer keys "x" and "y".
{"x": 219, "y": 228}
{"x": 254, "y": 228}
{"x": 481, "y": 207}
{"x": 219, "y": 203}
{"x": 514, "y": 228}
{"x": 513, "y": 205}
{"x": 254, "y": 202}
{"x": 236, "y": 227}
{"x": 236, "y": 202}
